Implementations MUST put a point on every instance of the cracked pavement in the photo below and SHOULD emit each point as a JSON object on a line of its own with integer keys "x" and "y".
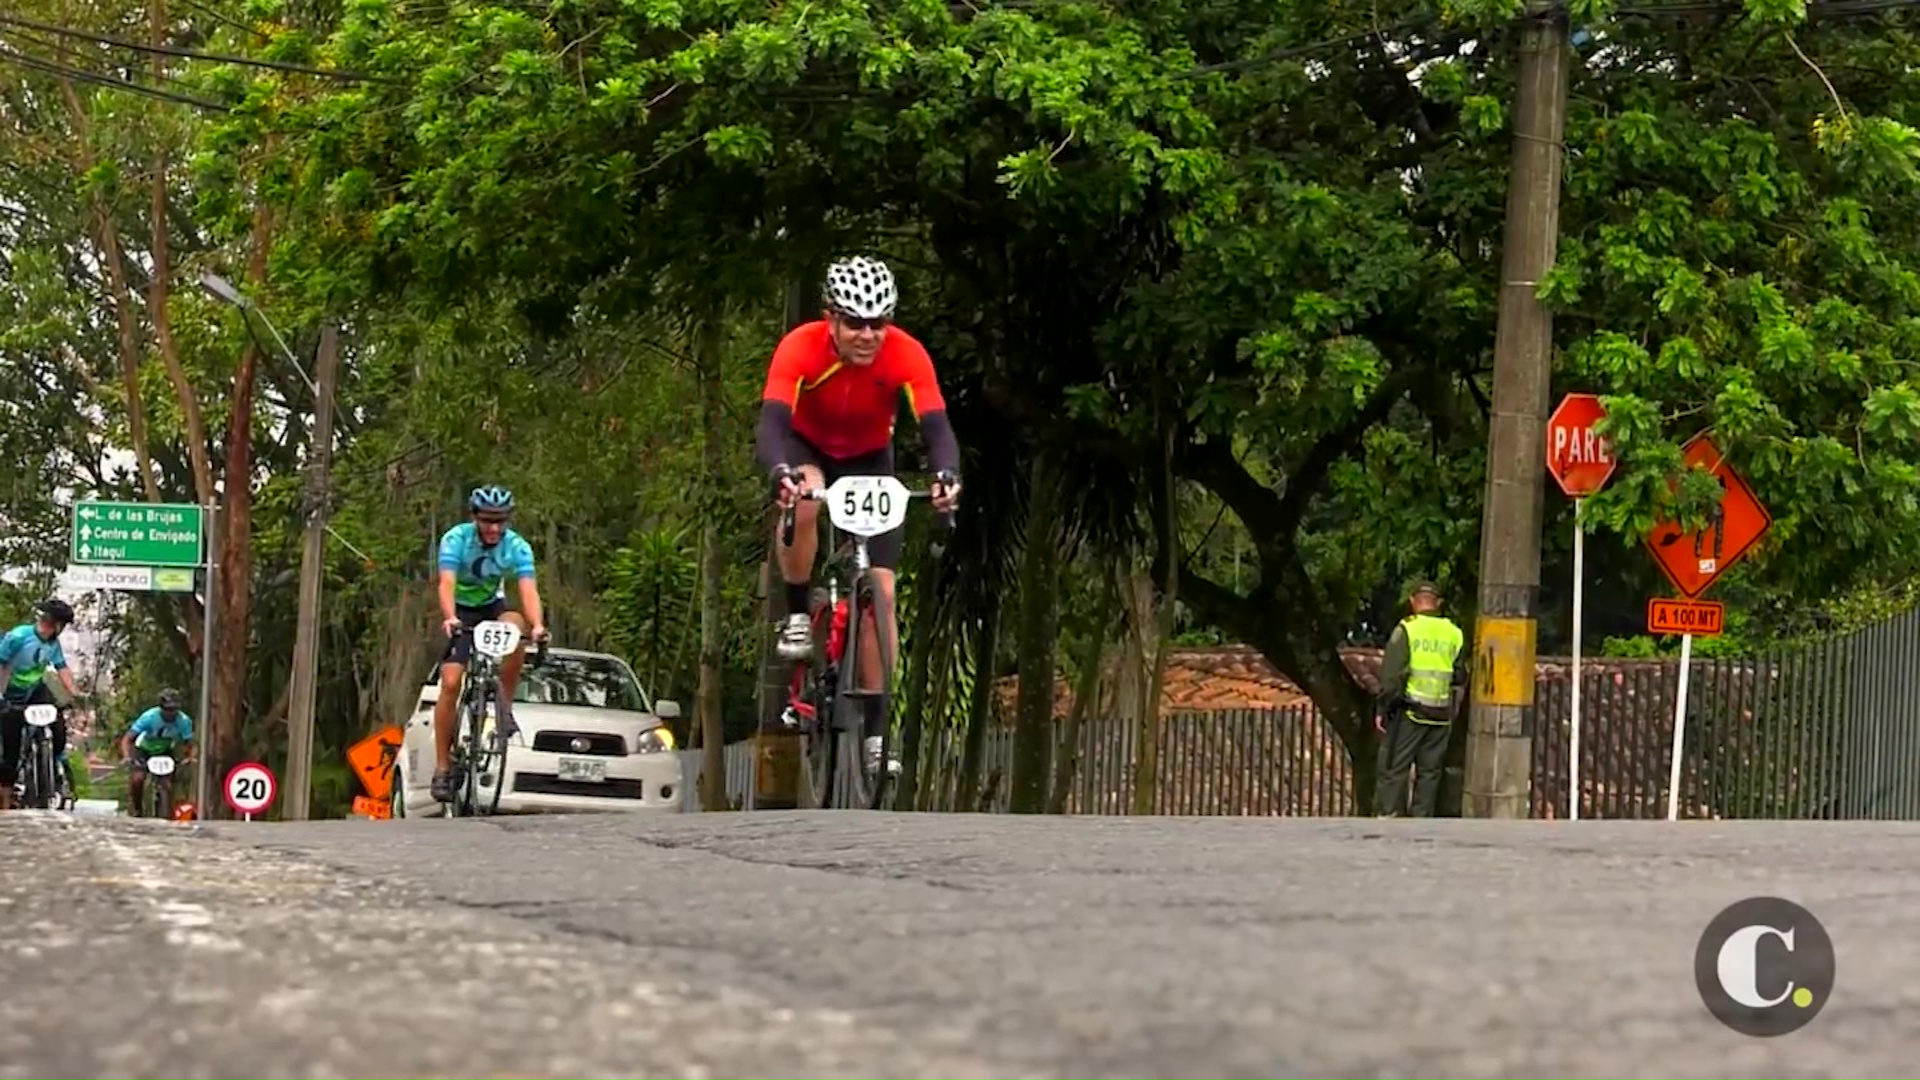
{"x": 906, "y": 945}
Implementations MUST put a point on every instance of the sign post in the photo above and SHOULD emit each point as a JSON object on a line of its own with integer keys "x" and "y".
{"x": 1693, "y": 561}
{"x": 250, "y": 789}
{"x": 149, "y": 547}
{"x": 1581, "y": 463}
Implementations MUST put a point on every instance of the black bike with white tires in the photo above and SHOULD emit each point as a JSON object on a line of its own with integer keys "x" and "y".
{"x": 42, "y": 782}
{"x": 158, "y": 795}
{"x": 479, "y": 750}
{"x": 847, "y": 766}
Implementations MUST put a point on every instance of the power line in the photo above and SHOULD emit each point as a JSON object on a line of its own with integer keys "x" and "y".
{"x": 170, "y": 50}
{"x": 78, "y": 54}
{"x": 65, "y": 72}
{"x": 1292, "y": 52}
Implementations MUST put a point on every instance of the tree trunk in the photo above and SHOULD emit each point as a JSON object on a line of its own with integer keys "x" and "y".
{"x": 713, "y": 740}
{"x": 126, "y": 322}
{"x": 1146, "y": 778}
{"x": 1086, "y": 689}
{"x": 1033, "y": 730}
{"x": 120, "y": 295}
{"x": 158, "y": 295}
{"x": 980, "y": 708}
{"x": 937, "y": 761}
{"x": 235, "y": 592}
{"x": 926, "y": 604}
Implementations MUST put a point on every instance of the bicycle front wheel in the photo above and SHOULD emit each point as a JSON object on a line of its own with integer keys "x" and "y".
{"x": 863, "y": 779}
{"x": 485, "y": 777}
{"x": 43, "y": 777}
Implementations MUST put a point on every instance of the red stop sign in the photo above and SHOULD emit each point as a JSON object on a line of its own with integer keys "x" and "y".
{"x": 1579, "y": 460}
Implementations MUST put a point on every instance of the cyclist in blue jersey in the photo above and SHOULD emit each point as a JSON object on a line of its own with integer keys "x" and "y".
{"x": 476, "y": 558}
{"x": 159, "y": 730}
{"x": 27, "y": 653}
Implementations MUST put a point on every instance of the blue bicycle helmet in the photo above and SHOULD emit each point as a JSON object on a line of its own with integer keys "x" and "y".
{"x": 491, "y": 497}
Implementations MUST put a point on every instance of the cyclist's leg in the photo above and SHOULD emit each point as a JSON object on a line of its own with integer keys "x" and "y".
{"x": 510, "y": 674}
{"x": 453, "y": 669}
{"x": 796, "y": 560}
{"x": 137, "y": 783}
{"x": 874, "y": 665}
{"x": 13, "y": 729}
{"x": 884, "y": 552}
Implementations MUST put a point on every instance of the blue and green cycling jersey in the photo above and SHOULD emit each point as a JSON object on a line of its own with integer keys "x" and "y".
{"x": 152, "y": 734}
{"x": 27, "y": 658}
{"x": 479, "y": 571}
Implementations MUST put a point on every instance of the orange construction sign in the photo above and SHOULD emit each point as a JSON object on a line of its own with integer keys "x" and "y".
{"x": 377, "y": 809}
{"x": 372, "y": 760}
{"x": 1701, "y": 618}
{"x": 1693, "y": 560}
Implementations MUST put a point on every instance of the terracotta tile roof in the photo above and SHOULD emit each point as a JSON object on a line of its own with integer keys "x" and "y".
{"x": 1208, "y": 678}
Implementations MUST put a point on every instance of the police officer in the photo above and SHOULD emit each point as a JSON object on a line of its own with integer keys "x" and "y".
{"x": 1421, "y": 680}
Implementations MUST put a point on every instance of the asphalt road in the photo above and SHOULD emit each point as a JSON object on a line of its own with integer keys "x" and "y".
{"x": 795, "y": 945}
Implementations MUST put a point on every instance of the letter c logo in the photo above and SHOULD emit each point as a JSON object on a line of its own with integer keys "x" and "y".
{"x": 1739, "y": 966}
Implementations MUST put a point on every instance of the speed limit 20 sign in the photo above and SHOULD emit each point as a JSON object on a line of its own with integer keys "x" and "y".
{"x": 250, "y": 788}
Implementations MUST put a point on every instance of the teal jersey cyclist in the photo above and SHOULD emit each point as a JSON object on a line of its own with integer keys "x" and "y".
{"x": 164, "y": 729}
{"x": 27, "y": 653}
{"x": 476, "y": 559}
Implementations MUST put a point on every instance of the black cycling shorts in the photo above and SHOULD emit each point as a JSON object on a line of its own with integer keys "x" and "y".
{"x": 884, "y": 550}
{"x": 13, "y": 729}
{"x": 460, "y": 647}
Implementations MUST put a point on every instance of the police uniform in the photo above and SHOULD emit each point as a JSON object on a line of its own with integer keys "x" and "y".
{"x": 1425, "y": 663}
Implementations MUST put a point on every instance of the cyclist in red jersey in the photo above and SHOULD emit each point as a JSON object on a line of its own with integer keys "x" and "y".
{"x": 828, "y": 410}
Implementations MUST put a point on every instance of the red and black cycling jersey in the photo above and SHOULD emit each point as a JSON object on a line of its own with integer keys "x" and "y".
{"x": 844, "y": 409}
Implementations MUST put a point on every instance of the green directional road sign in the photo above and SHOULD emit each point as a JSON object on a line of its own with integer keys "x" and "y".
{"x": 137, "y": 534}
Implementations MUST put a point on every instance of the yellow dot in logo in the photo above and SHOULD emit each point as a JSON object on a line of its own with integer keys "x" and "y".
{"x": 1803, "y": 997}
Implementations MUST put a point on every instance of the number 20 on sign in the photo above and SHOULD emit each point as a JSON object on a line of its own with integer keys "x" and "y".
{"x": 250, "y": 788}
{"x": 1701, "y": 618}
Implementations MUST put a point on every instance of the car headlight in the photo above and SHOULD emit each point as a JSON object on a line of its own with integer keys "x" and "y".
{"x": 654, "y": 741}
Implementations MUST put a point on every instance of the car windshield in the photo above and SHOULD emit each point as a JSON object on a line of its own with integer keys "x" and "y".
{"x": 592, "y": 682}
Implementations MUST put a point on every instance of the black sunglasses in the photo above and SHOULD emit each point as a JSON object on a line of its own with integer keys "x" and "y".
{"x": 852, "y": 323}
{"x": 490, "y": 519}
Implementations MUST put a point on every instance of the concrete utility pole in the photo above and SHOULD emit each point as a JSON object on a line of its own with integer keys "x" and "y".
{"x": 306, "y": 635}
{"x": 1500, "y": 727}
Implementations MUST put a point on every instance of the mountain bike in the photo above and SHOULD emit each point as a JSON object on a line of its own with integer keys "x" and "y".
{"x": 479, "y": 749}
{"x": 825, "y": 702}
{"x": 158, "y": 792}
{"x": 42, "y": 782}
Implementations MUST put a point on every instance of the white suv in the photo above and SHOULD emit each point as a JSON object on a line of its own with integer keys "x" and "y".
{"x": 589, "y": 739}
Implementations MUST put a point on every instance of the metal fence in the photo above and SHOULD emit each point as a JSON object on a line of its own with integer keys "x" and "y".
{"x": 1829, "y": 730}
{"x": 1239, "y": 762}
{"x": 1823, "y": 731}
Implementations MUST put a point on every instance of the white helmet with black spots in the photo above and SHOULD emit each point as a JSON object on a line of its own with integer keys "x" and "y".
{"x": 861, "y": 287}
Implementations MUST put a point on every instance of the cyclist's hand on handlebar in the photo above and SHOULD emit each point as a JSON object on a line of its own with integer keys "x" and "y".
{"x": 450, "y": 627}
{"x": 946, "y": 491}
{"x": 788, "y": 484}
{"x": 539, "y": 634}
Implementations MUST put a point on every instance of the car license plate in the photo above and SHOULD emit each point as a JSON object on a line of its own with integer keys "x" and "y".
{"x": 592, "y": 772}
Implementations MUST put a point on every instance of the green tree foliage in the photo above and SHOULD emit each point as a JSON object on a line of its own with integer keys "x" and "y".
{"x": 1266, "y": 236}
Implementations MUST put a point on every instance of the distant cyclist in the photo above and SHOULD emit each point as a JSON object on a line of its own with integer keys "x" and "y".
{"x": 163, "y": 729}
{"x": 828, "y": 409}
{"x": 27, "y": 653}
{"x": 476, "y": 558}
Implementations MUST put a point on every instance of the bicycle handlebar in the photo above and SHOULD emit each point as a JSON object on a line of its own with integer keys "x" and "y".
{"x": 787, "y": 518}
{"x": 539, "y": 651}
